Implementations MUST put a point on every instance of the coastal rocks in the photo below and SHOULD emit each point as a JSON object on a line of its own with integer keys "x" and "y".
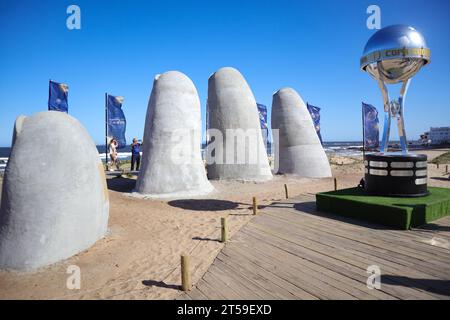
{"x": 236, "y": 149}
{"x": 54, "y": 197}
{"x": 172, "y": 165}
{"x": 299, "y": 150}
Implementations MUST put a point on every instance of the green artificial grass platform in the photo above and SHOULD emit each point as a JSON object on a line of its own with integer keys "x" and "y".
{"x": 401, "y": 213}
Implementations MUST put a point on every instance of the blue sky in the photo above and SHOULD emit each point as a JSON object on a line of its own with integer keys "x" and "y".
{"x": 312, "y": 46}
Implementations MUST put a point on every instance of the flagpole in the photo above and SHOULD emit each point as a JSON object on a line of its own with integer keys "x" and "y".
{"x": 49, "y": 93}
{"x": 205, "y": 150}
{"x": 106, "y": 130}
{"x": 364, "y": 138}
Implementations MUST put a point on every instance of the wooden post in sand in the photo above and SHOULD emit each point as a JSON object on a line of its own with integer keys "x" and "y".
{"x": 335, "y": 184}
{"x": 286, "y": 191}
{"x": 437, "y": 165}
{"x": 185, "y": 277}
{"x": 224, "y": 223}
{"x": 255, "y": 206}
{"x": 446, "y": 168}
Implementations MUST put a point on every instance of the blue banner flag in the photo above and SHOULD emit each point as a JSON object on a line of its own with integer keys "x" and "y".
{"x": 116, "y": 120}
{"x": 370, "y": 127}
{"x": 315, "y": 115}
{"x": 262, "y": 111}
{"x": 57, "y": 97}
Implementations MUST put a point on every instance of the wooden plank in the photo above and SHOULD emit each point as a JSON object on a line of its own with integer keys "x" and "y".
{"x": 342, "y": 267}
{"x": 356, "y": 288}
{"x": 196, "y": 294}
{"x": 310, "y": 210}
{"x": 372, "y": 243}
{"x": 259, "y": 290}
{"x": 218, "y": 284}
{"x": 254, "y": 275}
{"x": 285, "y": 253}
{"x": 341, "y": 256}
{"x": 237, "y": 286}
{"x": 386, "y": 250}
{"x": 276, "y": 285}
{"x": 306, "y": 206}
{"x": 183, "y": 296}
{"x": 386, "y": 233}
{"x": 209, "y": 291}
{"x": 382, "y": 249}
{"x": 322, "y": 280}
{"x": 300, "y": 280}
{"x": 420, "y": 279}
{"x": 298, "y": 217}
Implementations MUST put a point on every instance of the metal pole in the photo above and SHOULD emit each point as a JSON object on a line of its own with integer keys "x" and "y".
{"x": 106, "y": 130}
{"x": 206, "y": 129}
{"x": 363, "y": 129}
{"x": 49, "y": 93}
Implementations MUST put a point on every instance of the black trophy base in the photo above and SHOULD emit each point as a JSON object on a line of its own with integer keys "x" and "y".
{"x": 395, "y": 175}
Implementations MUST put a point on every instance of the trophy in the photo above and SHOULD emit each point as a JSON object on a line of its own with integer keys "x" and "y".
{"x": 393, "y": 55}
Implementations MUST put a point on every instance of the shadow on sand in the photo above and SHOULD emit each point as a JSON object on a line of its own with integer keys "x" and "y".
{"x": 205, "y": 239}
{"x": 161, "y": 284}
{"x": 121, "y": 184}
{"x": 204, "y": 204}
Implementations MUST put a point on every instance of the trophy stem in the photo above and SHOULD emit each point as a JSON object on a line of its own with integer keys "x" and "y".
{"x": 394, "y": 109}
{"x": 400, "y": 117}
{"x": 386, "y": 131}
{"x": 387, "y": 117}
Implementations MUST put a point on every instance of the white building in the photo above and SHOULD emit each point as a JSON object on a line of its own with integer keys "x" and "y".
{"x": 439, "y": 135}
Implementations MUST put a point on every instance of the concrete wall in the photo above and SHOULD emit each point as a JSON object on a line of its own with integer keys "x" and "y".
{"x": 231, "y": 106}
{"x": 171, "y": 163}
{"x": 54, "y": 198}
{"x": 299, "y": 150}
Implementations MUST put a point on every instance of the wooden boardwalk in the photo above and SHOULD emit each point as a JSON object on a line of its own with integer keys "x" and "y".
{"x": 291, "y": 251}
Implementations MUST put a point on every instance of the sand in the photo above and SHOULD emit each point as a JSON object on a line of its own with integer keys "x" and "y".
{"x": 140, "y": 256}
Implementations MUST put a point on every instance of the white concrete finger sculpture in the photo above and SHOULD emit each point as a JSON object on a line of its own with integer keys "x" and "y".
{"x": 172, "y": 166}
{"x": 298, "y": 150}
{"x": 236, "y": 150}
{"x": 54, "y": 198}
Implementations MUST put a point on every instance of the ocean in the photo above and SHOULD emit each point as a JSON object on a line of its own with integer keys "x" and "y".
{"x": 336, "y": 148}
{"x": 344, "y": 148}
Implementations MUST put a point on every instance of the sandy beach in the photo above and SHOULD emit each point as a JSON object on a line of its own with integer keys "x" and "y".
{"x": 140, "y": 256}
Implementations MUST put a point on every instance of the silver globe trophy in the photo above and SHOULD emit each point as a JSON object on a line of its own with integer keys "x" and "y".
{"x": 393, "y": 55}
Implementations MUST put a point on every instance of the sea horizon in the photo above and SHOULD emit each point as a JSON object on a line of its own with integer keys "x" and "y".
{"x": 342, "y": 148}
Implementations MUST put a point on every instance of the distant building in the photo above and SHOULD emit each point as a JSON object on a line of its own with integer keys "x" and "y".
{"x": 424, "y": 140}
{"x": 439, "y": 135}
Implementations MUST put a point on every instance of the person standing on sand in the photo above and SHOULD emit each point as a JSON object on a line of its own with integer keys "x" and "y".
{"x": 113, "y": 153}
{"x": 135, "y": 154}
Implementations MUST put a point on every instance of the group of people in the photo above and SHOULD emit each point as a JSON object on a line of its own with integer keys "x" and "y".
{"x": 135, "y": 154}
